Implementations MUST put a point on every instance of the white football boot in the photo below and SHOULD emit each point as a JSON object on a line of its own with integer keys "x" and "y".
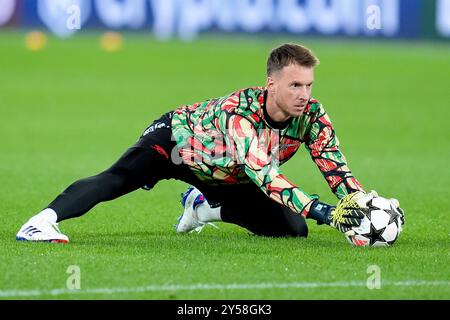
{"x": 189, "y": 221}
{"x": 41, "y": 230}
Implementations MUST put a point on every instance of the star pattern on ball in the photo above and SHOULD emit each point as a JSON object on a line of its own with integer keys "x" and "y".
{"x": 375, "y": 235}
{"x": 393, "y": 215}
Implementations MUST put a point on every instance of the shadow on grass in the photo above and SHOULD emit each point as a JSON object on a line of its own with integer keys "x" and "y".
{"x": 224, "y": 240}
{"x": 219, "y": 240}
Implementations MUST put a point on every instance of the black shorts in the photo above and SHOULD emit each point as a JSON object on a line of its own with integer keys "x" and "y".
{"x": 151, "y": 157}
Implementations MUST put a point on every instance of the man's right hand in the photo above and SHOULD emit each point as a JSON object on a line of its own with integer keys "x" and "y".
{"x": 348, "y": 213}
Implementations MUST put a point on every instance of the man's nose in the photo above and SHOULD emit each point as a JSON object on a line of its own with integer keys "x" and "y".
{"x": 303, "y": 94}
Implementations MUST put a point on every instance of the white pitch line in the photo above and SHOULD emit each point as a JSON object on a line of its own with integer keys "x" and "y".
{"x": 212, "y": 286}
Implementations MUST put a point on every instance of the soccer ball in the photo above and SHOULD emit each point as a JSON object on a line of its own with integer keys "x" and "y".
{"x": 381, "y": 226}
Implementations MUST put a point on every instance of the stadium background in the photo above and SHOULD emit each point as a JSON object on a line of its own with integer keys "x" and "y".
{"x": 74, "y": 97}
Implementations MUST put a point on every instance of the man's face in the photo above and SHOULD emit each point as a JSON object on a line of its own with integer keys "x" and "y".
{"x": 290, "y": 88}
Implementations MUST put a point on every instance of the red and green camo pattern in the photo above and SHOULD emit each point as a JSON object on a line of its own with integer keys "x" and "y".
{"x": 228, "y": 140}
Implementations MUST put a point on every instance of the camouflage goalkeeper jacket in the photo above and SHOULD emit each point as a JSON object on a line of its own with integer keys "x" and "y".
{"x": 232, "y": 140}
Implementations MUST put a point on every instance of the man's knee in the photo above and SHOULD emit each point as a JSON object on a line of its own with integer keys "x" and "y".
{"x": 294, "y": 226}
{"x": 111, "y": 184}
{"x": 299, "y": 228}
{"x": 296, "y": 223}
{"x": 290, "y": 225}
{"x": 130, "y": 172}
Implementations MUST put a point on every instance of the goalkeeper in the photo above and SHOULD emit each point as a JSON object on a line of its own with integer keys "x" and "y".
{"x": 230, "y": 150}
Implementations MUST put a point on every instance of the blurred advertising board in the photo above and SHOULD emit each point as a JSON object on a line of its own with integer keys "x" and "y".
{"x": 187, "y": 19}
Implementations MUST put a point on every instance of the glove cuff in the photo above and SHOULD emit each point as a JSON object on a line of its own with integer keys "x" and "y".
{"x": 321, "y": 212}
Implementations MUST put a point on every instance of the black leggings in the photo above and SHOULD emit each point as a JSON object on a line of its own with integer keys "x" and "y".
{"x": 148, "y": 162}
{"x": 247, "y": 206}
{"x": 126, "y": 175}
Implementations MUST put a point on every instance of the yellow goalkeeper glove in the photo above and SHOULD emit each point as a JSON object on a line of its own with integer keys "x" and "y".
{"x": 348, "y": 213}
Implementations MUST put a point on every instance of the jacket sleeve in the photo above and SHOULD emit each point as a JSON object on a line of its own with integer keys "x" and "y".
{"x": 252, "y": 152}
{"x": 323, "y": 146}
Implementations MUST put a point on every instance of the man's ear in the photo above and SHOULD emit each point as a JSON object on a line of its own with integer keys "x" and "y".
{"x": 270, "y": 85}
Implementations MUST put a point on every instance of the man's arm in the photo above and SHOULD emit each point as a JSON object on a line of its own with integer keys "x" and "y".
{"x": 323, "y": 146}
{"x": 251, "y": 152}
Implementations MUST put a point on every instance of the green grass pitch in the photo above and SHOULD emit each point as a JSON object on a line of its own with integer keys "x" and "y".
{"x": 69, "y": 111}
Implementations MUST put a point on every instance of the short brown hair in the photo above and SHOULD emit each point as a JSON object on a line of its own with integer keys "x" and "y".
{"x": 289, "y": 53}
